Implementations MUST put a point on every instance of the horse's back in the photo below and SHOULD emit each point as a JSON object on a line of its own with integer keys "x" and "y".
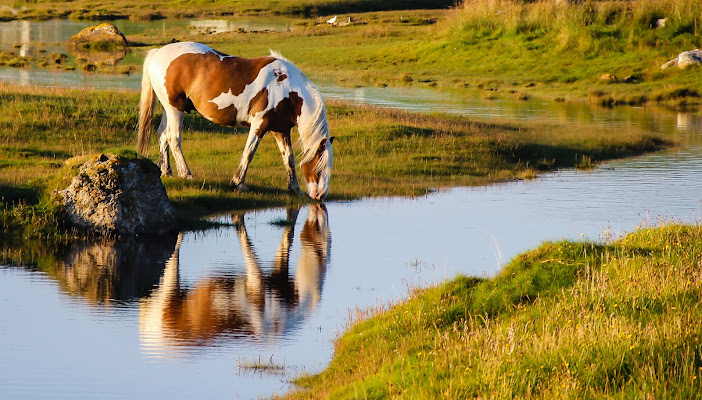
{"x": 196, "y": 76}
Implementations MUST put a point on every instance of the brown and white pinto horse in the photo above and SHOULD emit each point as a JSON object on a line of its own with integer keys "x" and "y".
{"x": 266, "y": 94}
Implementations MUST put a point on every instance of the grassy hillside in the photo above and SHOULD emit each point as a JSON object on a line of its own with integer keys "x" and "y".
{"x": 568, "y": 320}
{"x": 562, "y": 48}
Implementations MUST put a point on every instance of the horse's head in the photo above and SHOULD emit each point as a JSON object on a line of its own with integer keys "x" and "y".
{"x": 317, "y": 170}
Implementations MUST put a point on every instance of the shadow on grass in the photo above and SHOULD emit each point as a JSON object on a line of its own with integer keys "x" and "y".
{"x": 26, "y": 152}
{"x": 196, "y": 122}
{"x": 546, "y": 157}
{"x": 19, "y": 194}
{"x": 192, "y": 209}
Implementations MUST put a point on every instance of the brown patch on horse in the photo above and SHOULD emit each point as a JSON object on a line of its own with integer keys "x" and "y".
{"x": 259, "y": 102}
{"x": 193, "y": 79}
{"x": 309, "y": 169}
{"x": 285, "y": 114}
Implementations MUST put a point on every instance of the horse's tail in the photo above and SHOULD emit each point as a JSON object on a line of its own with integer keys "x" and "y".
{"x": 147, "y": 103}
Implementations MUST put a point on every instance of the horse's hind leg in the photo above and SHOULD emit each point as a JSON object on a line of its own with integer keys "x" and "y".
{"x": 286, "y": 151}
{"x": 173, "y": 133}
{"x": 164, "y": 162}
{"x": 256, "y": 132}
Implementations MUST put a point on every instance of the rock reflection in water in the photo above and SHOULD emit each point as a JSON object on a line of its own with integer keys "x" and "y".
{"x": 102, "y": 271}
{"x": 113, "y": 270}
{"x": 250, "y": 304}
{"x": 109, "y": 58}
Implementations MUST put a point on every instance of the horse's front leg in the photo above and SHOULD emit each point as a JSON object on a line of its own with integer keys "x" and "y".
{"x": 286, "y": 151}
{"x": 258, "y": 129}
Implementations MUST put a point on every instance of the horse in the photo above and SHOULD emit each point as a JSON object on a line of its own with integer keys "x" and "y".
{"x": 265, "y": 94}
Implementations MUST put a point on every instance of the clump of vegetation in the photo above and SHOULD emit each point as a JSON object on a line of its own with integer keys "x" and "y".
{"x": 567, "y": 320}
{"x": 11, "y": 59}
{"x": 668, "y": 94}
{"x": 268, "y": 367}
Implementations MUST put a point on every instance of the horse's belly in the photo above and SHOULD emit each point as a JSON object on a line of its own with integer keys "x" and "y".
{"x": 224, "y": 117}
{"x": 230, "y": 121}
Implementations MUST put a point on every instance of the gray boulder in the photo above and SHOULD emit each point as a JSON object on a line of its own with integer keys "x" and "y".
{"x": 685, "y": 59}
{"x": 116, "y": 195}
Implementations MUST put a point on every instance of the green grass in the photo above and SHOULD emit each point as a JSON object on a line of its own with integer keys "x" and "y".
{"x": 568, "y": 320}
{"x": 377, "y": 152}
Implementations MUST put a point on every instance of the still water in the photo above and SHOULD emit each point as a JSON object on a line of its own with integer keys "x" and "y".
{"x": 188, "y": 315}
{"x": 34, "y": 37}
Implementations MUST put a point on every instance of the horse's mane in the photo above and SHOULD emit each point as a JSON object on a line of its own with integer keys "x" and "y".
{"x": 311, "y": 136}
{"x": 277, "y": 55}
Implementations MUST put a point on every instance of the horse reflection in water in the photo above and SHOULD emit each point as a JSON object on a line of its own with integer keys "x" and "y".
{"x": 254, "y": 305}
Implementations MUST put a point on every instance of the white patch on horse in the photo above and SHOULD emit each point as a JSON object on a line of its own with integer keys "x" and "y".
{"x": 224, "y": 100}
{"x": 267, "y": 78}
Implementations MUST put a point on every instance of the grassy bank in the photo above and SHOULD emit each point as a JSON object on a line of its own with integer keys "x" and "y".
{"x": 566, "y": 320}
{"x": 377, "y": 153}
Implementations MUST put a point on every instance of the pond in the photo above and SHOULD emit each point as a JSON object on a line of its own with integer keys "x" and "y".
{"x": 193, "y": 314}
{"x": 32, "y": 37}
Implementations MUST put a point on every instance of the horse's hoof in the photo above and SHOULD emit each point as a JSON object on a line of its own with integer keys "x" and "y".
{"x": 189, "y": 177}
{"x": 166, "y": 174}
{"x": 241, "y": 187}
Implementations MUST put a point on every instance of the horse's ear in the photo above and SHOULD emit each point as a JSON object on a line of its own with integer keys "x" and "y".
{"x": 331, "y": 139}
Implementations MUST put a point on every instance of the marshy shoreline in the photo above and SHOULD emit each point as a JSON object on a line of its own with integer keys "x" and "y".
{"x": 606, "y": 53}
{"x": 380, "y": 152}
